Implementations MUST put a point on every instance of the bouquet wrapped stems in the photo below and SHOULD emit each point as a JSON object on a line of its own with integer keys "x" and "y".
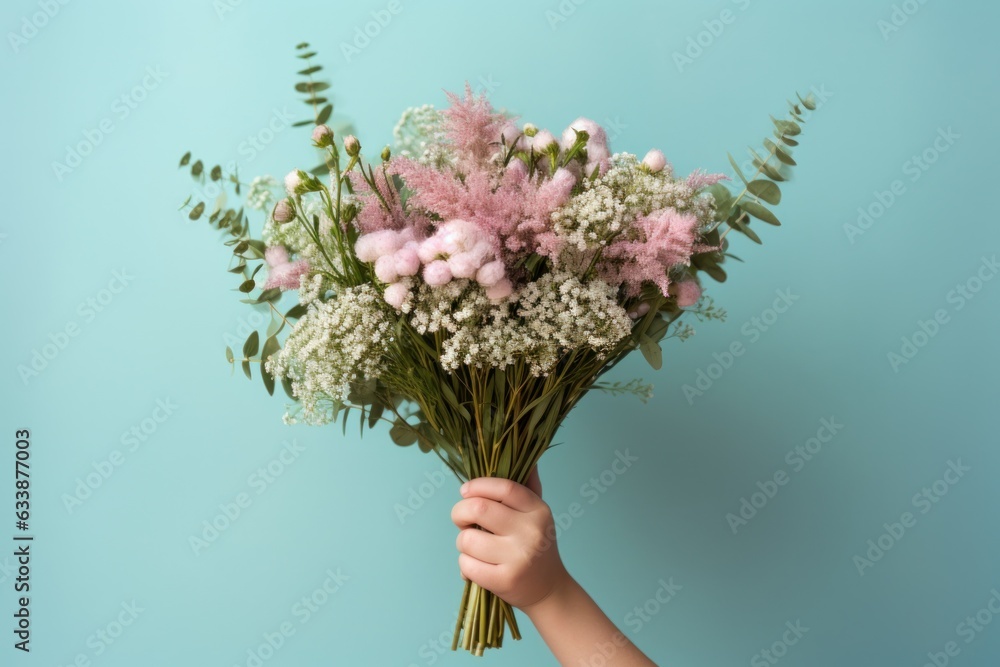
{"x": 497, "y": 422}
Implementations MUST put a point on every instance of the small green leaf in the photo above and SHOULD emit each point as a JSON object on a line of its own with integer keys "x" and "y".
{"x": 270, "y": 347}
{"x": 779, "y": 152}
{"x": 197, "y": 211}
{"x": 743, "y": 228}
{"x": 255, "y": 271}
{"x": 185, "y": 159}
{"x": 651, "y": 351}
{"x": 296, "y": 311}
{"x": 269, "y": 295}
{"x": 324, "y": 114}
{"x": 310, "y": 70}
{"x": 303, "y": 123}
{"x": 286, "y": 384}
{"x": 197, "y": 168}
{"x": 311, "y": 86}
{"x": 304, "y": 56}
{"x": 229, "y": 354}
{"x": 759, "y": 212}
{"x": 316, "y": 101}
{"x": 252, "y": 344}
{"x": 739, "y": 172}
{"x": 765, "y": 190}
{"x": 247, "y": 286}
{"x": 246, "y": 369}
{"x": 809, "y": 102}
{"x": 241, "y": 247}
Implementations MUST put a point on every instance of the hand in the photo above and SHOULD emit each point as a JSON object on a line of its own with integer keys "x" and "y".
{"x": 516, "y": 556}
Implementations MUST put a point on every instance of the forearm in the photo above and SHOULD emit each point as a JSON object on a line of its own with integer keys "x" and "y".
{"x": 577, "y": 631}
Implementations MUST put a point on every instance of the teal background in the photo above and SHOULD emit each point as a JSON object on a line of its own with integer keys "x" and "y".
{"x": 229, "y": 67}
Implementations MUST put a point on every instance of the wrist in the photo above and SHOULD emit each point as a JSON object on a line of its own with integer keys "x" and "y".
{"x": 558, "y": 596}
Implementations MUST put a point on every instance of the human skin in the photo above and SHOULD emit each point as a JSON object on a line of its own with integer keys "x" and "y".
{"x": 516, "y": 557}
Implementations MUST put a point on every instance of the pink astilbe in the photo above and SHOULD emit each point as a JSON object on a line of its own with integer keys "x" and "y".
{"x": 471, "y": 126}
{"x": 513, "y": 212}
{"x": 699, "y": 179}
{"x": 373, "y": 215}
{"x": 281, "y": 272}
{"x": 669, "y": 239}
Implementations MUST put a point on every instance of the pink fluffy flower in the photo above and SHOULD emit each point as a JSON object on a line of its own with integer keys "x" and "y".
{"x": 499, "y": 290}
{"x": 370, "y": 247}
{"x": 597, "y": 145}
{"x": 471, "y": 126}
{"x": 655, "y": 160}
{"x": 490, "y": 273}
{"x": 437, "y": 273}
{"x": 395, "y": 294}
{"x": 699, "y": 179}
{"x": 385, "y": 269}
{"x": 668, "y": 240}
{"x": 407, "y": 261}
{"x": 282, "y": 273}
{"x": 688, "y": 293}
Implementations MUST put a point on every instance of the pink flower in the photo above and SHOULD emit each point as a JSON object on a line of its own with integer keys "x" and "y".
{"x": 655, "y": 160}
{"x": 669, "y": 240}
{"x": 471, "y": 126}
{"x": 283, "y": 212}
{"x": 395, "y": 294}
{"x": 437, "y": 273}
{"x": 370, "y": 247}
{"x": 699, "y": 179}
{"x": 490, "y": 273}
{"x": 407, "y": 261}
{"x": 322, "y": 135}
{"x": 597, "y": 145}
{"x": 282, "y": 273}
{"x": 385, "y": 268}
{"x": 499, "y": 290}
{"x": 688, "y": 293}
{"x": 541, "y": 141}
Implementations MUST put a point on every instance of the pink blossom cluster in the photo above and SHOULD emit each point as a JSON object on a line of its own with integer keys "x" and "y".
{"x": 282, "y": 272}
{"x": 481, "y": 214}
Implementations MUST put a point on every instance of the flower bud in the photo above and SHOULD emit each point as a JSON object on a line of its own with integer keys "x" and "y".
{"x": 284, "y": 211}
{"x": 351, "y": 145}
{"x": 292, "y": 181}
{"x": 530, "y": 130}
{"x": 386, "y": 154}
{"x": 322, "y": 136}
{"x": 654, "y": 161}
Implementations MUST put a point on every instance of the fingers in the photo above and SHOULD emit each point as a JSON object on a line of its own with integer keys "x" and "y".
{"x": 484, "y": 574}
{"x": 488, "y": 514}
{"x": 484, "y": 546}
{"x": 508, "y": 492}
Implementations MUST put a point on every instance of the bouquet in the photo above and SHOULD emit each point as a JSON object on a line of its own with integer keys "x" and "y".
{"x": 470, "y": 285}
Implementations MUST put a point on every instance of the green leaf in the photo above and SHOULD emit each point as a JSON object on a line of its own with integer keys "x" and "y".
{"x": 303, "y": 123}
{"x": 270, "y": 347}
{"x": 739, "y": 172}
{"x": 269, "y": 295}
{"x": 185, "y": 159}
{"x": 229, "y": 355}
{"x": 316, "y": 101}
{"x": 310, "y": 70}
{"x": 374, "y": 413}
{"x": 238, "y": 268}
{"x": 452, "y": 399}
{"x": 286, "y": 384}
{"x": 304, "y": 56}
{"x": 779, "y": 152}
{"x": 765, "y": 190}
{"x": 197, "y": 211}
{"x": 197, "y": 168}
{"x": 809, "y": 102}
{"x": 252, "y": 344}
{"x": 255, "y": 271}
{"x": 311, "y": 86}
{"x": 216, "y": 173}
{"x": 324, "y": 114}
{"x": 257, "y": 245}
{"x": 402, "y": 434}
{"x": 246, "y": 369}
{"x": 241, "y": 247}
{"x": 275, "y": 326}
{"x": 651, "y": 351}
{"x": 759, "y": 212}
{"x": 247, "y": 286}
{"x": 745, "y": 230}
{"x": 296, "y": 311}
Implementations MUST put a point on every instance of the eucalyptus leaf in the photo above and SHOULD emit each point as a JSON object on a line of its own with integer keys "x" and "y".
{"x": 765, "y": 190}
{"x": 252, "y": 345}
{"x": 759, "y": 212}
